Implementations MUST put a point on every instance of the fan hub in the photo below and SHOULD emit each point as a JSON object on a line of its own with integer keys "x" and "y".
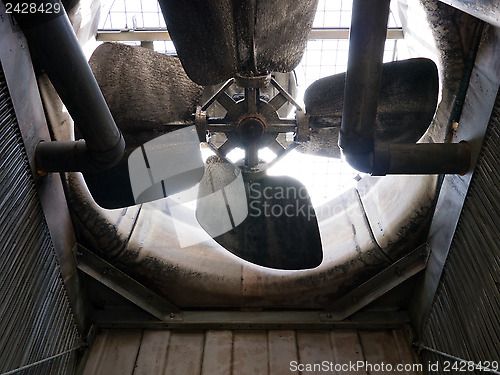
{"x": 251, "y": 128}
{"x": 252, "y": 123}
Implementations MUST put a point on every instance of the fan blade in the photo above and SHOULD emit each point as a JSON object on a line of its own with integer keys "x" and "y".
{"x": 216, "y": 39}
{"x": 145, "y": 91}
{"x": 322, "y": 142}
{"x": 272, "y": 225}
{"x": 407, "y": 102}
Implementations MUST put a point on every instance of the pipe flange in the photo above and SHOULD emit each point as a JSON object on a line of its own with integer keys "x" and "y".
{"x": 302, "y": 133}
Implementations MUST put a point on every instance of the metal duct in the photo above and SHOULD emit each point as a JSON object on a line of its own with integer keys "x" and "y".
{"x": 464, "y": 320}
{"x": 36, "y": 321}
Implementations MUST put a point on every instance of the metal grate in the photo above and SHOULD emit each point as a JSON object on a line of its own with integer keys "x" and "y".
{"x": 35, "y": 317}
{"x": 464, "y": 320}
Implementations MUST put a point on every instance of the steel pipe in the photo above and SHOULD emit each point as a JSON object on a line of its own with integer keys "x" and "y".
{"x": 362, "y": 88}
{"x": 55, "y": 49}
{"x": 421, "y": 158}
{"x": 364, "y": 75}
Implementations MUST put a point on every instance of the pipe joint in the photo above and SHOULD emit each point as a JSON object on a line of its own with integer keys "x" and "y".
{"x": 362, "y": 162}
{"x": 75, "y": 156}
{"x": 54, "y": 46}
{"x": 419, "y": 158}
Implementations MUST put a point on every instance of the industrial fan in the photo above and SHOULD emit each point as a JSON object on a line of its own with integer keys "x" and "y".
{"x": 241, "y": 46}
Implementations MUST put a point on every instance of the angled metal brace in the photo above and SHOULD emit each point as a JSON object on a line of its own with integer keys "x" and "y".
{"x": 378, "y": 285}
{"x": 124, "y": 285}
{"x": 220, "y": 91}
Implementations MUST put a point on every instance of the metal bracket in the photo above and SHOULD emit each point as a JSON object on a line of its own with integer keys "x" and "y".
{"x": 302, "y": 134}
{"x": 200, "y": 123}
{"x": 125, "y": 286}
{"x": 253, "y": 82}
{"x": 378, "y": 285}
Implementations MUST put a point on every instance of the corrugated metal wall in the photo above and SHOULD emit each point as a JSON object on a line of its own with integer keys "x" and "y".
{"x": 465, "y": 317}
{"x": 36, "y": 321}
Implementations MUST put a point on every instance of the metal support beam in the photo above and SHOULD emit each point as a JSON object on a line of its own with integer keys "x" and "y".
{"x": 124, "y": 285}
{"x": 486, "y": 10}
{"x": 378, "y": 285}
{"x": 150, "y": 35}
{"x": 251, "y": 320}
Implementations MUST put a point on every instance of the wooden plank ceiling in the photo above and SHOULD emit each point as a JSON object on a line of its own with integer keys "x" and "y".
{"x": 225, "y": 352}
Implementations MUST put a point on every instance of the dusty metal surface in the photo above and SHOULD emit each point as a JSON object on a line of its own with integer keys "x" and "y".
{"x": 217, "y": 39}
{"x": 145, "y": 91}
{"x": 207, "y": 275}
{"x": 226, "y": 352}
{"x": 167, "y": 313}
{"x": 487, "y": 10}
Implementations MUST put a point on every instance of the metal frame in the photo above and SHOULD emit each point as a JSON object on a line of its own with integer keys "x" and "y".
{"x": 151, "y": 35}
{"x": 160, "y": 313}
{"x": 251, "y": 320}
